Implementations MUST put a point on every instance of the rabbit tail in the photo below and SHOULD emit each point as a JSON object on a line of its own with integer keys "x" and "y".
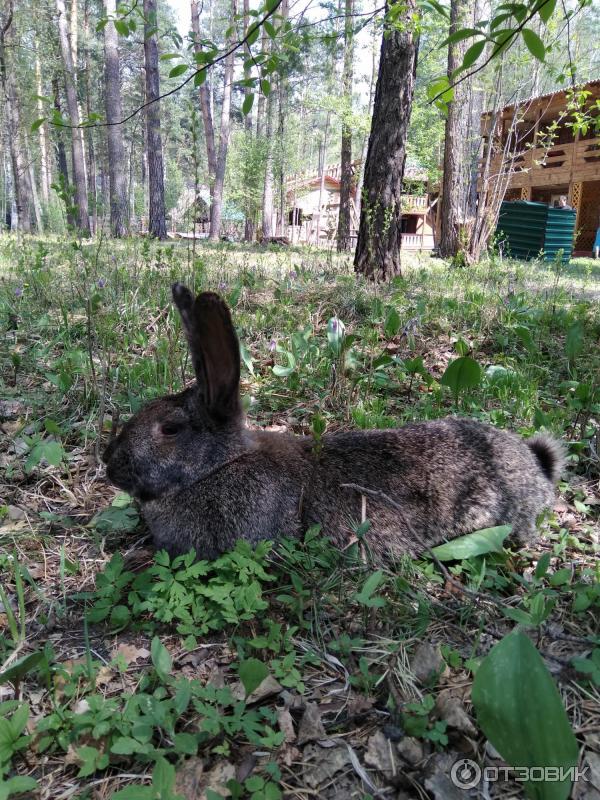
{"x": 550, "y": 455}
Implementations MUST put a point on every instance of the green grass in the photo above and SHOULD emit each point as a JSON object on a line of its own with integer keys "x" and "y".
{"x": 131, "y": 665}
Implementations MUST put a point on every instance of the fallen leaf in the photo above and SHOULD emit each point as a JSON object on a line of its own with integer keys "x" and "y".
{"x": 286, "y": 725}
{"x": 311, "y": 726}
{"x": 268, "y": 687}
{"x": 321, "y": 765}
{"x": 427, "y": 661}
{"x": 451, "y": 708}
{"x": 130, "y": 653}
{"x": 382, "y": 755}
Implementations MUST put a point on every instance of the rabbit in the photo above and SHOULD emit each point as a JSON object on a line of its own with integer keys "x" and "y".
{"x": 204, "y": 480}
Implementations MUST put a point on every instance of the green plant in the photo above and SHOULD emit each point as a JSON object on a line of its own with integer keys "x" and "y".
{"x": 521, "y": 712}
{"x": 416, "y": 722}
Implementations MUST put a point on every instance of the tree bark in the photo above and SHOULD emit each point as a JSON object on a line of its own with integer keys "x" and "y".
{"x": 61, "y": 154}
{"x": 45, "y": 166}
{"x": 344, "y": 222}
{"x": 32, "y": 186}
{"x": 379, "y": 237}
{"x": 207, "y": 119}
{"x": 365, "y": 142}
{"x": 455, "y": 179}
{"x": 217, "y": 199}
{"x": 21, "y": 184}
{"x": 119, "y": 215}
{"x": 89, "y": 133}
{"x": 81, "y": 200}
{"x": 249, "y": 221}
{"x": 267, "y": 201}
{"x": 157, "y": 224}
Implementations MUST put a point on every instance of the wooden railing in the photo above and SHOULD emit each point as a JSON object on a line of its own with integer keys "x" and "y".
{"x": 414, "y": 202}
{"x": 417, "y": 241}
{"x": 573, "y": 161}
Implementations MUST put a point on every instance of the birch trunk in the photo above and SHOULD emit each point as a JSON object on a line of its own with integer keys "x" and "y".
{"x": 119, "y": 216}
{"x": 217, "y": 200}
{"x": 79, "y": 181}
{"x": 157, "y": 225}
{"x": 343, "y": 231}
{"x": 21, "y": 185}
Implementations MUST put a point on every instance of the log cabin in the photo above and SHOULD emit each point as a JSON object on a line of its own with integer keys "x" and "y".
{"x": 313, "y": 205}
{"x": 544, "y": 156}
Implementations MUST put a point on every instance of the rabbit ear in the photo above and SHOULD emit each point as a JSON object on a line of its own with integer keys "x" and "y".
{"x": 215, "y": 351}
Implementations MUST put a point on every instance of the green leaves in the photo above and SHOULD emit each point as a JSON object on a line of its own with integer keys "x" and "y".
{"x": 11, "y": 734}
{"x": 460, "y": 35}
{"x": 37, "y": 124}
{"x": 252, "y": 673}
{"x": 247, "y": 104}
{"x": 534, "y": 44}
{"x": 487, "y": 540}
{"x": 283, "y": 372}
{"x": 161, "y": 658}
{"x": 22, "y": 666}
{"x": 462, "y": 374}
{"x": 520, "y": 711}
{"x": 547, "y": 9}
{"x": 45, "y": 450}
{"x": 365, "y": 596}
{"x": 392, "y": 323}
{"x": 472, "y": 54}
{"x": 120, "y": 517}
{"x": 574, "y": 341}
{"x": 178, "y": 70}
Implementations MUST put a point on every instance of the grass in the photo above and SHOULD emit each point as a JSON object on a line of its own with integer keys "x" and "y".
{"x": 127, "y": 676}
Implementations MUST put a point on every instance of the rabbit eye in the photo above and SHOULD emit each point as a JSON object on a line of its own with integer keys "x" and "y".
{"x": 170, "y": 428}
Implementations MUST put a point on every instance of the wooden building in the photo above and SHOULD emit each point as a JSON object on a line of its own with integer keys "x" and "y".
{"x": 539, "y": 157}
{"x": 313, "y": 205}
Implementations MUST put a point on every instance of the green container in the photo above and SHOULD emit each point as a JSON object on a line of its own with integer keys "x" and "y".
{"x": 529, "y": 230}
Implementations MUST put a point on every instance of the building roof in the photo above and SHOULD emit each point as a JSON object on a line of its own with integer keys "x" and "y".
{"x": 548, "y": 95}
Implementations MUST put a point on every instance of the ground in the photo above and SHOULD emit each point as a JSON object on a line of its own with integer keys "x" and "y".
{"x": 294, "y": 670}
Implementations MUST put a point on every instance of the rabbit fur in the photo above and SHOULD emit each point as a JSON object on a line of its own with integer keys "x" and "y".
{"x": 204, "y": 480}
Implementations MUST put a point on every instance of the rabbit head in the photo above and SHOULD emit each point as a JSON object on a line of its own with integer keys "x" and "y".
{"x": 171, "y": 440}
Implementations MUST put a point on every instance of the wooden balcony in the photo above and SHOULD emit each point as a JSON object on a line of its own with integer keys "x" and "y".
{"x": 417, "y": 241}
{"x": 414, "y": 203}
{"x": 562, "y": 164}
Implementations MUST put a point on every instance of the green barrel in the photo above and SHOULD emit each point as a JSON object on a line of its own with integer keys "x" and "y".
{"x": 529, "y": 230}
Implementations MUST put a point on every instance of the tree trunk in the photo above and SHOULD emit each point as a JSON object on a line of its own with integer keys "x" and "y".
{"x": 249, "y": 221}
{"x": 267, "y": 201}
{"x": 157, "y": 224}
{"x": 119, "y": 216}
{"x": 21, "y": 185}
{"x": 217, "y": 200}
{"x": 32, "y": 186}
{"x": 379, "y": 237}
{"x": 61, "y": 154}
{"x": 344, "y": 223}
{"x": 207, "y": 119}
{"x": 45, "y": 167}
{"x": 322, "y": 172}
{"x": 363, "y": 149}
{"x": 261, "y": 111}
{"x": 89, "y": 133}
{"x": 81, "y": 200}
{"x": 455, "y": 178}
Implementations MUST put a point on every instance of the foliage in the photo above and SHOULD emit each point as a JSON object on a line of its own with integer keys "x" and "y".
{"x": 521, "y": 712}
{"x": 195, "y": 596}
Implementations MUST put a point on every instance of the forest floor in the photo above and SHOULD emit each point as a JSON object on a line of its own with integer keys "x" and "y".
{"x": 293, "y": 671}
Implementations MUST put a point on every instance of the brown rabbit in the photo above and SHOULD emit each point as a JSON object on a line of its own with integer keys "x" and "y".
{"x": 204, "y": 480}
